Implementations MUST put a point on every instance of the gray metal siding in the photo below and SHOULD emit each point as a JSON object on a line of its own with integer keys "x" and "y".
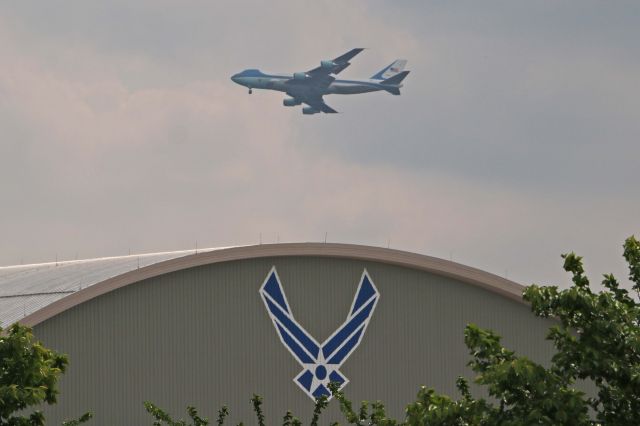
{"x": 202, "y": 337}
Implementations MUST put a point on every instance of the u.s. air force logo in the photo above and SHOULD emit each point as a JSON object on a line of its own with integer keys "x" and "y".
{"x": 320, "y": 362}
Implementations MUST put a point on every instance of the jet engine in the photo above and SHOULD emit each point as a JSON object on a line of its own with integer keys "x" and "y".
{"x": 300, "y": 76}
{"x": 327, "y": 64}
{"x": 309, "y": 110}
{"x": 290, "y": 102}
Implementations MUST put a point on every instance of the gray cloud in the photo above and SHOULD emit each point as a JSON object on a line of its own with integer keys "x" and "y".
{"x": 515, "y": 138}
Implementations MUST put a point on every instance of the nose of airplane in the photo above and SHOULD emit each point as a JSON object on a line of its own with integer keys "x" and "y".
{"x": 234, "y": 78}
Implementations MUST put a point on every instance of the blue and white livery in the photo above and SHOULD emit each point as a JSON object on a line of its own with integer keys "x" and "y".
{"x": 320, "y": 362}
{"x": 309, "y": 87}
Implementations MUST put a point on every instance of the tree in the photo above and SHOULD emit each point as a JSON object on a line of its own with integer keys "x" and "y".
{"x": 162, "y": 416}
{"x": 29, "y": 375}
{"x": 598, "y": 337}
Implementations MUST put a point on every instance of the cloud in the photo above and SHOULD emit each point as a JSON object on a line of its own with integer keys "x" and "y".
{"x": 121, "y": 130}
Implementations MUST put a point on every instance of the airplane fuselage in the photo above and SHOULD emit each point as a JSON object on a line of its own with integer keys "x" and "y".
{"x": 254, "y": 79}
{"x": 310, "y": 86}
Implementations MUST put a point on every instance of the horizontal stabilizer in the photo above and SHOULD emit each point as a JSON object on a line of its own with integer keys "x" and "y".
{"x": 396, "y": 79}
{"x": 393, "y": 90}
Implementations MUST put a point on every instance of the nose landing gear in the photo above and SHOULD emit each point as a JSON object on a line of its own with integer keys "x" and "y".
{"x": 250, "y": 91}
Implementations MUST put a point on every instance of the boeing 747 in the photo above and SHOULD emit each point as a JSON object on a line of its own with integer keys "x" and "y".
{"x": 309, "y": 87}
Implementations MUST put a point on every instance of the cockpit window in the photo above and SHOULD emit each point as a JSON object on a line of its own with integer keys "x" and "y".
{"x": 251, "y": 73}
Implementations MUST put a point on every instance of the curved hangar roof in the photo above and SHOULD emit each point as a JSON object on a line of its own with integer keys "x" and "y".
{"x": 34, "y": 293}
{"x": 26, "y": 289}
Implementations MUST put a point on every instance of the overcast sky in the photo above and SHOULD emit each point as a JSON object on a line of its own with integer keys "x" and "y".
{"x": 516, "y": 137}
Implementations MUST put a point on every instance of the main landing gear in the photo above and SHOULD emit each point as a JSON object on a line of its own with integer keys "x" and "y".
{"x": 250, "y": 91}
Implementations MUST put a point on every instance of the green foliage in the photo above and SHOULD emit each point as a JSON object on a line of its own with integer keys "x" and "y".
{"x": 321, "y": 404}
{"x": 345, "y": 405}
{"x": 377, "y": 415}
{"x": 29, "y": 375}
{"x": 527, "y": 392}
{"x": 257, "y": 408}
{"x": 222, "y": 414}
{"x": 434, "y": 409}
{"x": 83, "y": 419}
{"x": 598, "y": 337}
{"x": 287, "y": 419}
{"x": 290, "y": 420}
{"x": 162, "y": 416}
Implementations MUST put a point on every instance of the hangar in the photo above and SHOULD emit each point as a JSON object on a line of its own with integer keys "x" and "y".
{"x": 212, "y": 327}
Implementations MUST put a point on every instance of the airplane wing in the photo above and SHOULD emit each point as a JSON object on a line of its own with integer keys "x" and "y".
{"x": 335, "y": 66}
{"x": 319, "y": 104}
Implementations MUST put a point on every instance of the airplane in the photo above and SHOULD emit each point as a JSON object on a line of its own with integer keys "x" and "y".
{"x": 309, "y": 87}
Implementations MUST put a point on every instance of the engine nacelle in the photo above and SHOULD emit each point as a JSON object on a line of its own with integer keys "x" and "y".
{"x": 309, "y": 110}
{"x": 328, "y": 64}
{"x": 290, "y": 102}
{"x": 300, "y": 76}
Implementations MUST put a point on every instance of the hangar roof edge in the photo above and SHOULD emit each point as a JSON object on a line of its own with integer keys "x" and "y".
{"x": 49, "y": 289}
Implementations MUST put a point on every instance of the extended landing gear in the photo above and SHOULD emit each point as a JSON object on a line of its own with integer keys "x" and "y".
{"x": 250, "y": 91}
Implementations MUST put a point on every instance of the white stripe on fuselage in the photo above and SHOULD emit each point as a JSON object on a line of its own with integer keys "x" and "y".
{"x": 284, "y": 83}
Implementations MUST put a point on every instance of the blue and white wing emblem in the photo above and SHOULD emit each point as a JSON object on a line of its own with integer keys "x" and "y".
{"x": 320, "y": 363}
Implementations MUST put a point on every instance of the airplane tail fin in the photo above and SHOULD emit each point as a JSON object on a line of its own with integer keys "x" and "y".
{"x": 392, "y": 84}
{"x": 390, "y": 70}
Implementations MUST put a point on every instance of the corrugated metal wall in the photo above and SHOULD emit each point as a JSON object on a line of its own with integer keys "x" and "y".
{"x": 203, "y": 337}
